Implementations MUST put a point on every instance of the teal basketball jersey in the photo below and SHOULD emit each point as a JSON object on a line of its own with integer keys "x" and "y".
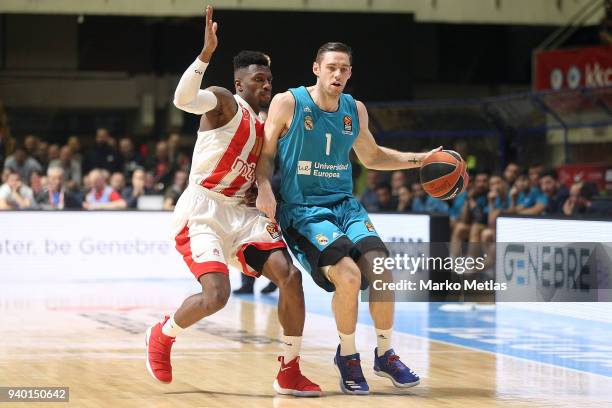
{"x": 314, "y": 154}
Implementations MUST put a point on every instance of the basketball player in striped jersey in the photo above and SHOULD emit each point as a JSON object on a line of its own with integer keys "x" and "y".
{"x": 313, "y": 129}
{"x": 213, "y": 227}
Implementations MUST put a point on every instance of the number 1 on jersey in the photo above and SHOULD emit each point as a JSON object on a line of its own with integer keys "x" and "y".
{"x": 328, "y": 146}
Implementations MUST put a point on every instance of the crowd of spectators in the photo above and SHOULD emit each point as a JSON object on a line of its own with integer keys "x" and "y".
{"x": 115, "y": 174}
{"x": 112, "y": 174}
{"x": 532, "y": 191}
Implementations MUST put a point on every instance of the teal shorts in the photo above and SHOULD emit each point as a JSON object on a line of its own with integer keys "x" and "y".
{"x": 322, "y": 235}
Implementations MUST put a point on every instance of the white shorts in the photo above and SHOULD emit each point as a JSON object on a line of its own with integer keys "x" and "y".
{"x": 212, "y": 231}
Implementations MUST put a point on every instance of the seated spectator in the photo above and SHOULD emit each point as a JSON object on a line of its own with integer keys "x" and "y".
{"x": 161, "y": 166}
{"x": 555, "y": 192}
{"x": 52, "y": 154}
{"x": 37, "y": 182}
{"x": 173, "y": 192}
{"x": 102, "y": 196}
{"x": 535, "y": 202}
{"x": 519, "y": 192}
{"x": 404, "y": 199}
{"x": 117, "y": 182}
{"x": 571, "y": 206}
{"x": 103, "y": 155}
{"x": 174, "y": 145}
{"x": 14, "y": 195}
{"x": 71, "y": 167}
{"x": 368, "y": 198}
{"x": 55, "y": 196}
{"x": 472, "y": 218}
{"x": 585, "y": 203}
{"x": 131, "y": 193}
{"x": 423, "y": 202}
{"x": 511, "y": 172}
{"x": 398, "y": 179}
{"x": 150, "y": 183}
{"x": 20, "y": 162}
{"x": 31, "y": 145}
{"x": 131, "y": 158}
{"x": 42, "y": 153}
{"x": 385, "y": 201}
{"x": 75, "y": 148}
{"x": 498, "y": 201}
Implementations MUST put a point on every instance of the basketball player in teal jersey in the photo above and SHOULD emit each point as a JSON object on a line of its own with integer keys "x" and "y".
{"x": 313, "y": 129}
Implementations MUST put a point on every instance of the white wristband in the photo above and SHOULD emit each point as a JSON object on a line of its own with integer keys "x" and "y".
{"x": 199, "y": 66}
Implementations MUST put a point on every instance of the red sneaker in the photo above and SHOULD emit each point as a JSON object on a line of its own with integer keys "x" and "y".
{"x": 158, "y": 353}
{"x": 290, "y": 380}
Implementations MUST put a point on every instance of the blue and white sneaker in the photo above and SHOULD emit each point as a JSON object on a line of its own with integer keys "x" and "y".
{"x": 389, "y": 365}
{"x": 352, "y": 380}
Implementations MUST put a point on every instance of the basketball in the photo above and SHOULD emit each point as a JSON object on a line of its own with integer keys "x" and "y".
{"x": 444, "y": 174}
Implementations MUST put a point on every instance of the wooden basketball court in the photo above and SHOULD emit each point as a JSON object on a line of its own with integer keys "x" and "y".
{"x": 90, "y": 337}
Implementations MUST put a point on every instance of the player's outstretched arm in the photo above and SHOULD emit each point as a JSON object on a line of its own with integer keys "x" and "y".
{"x": 378, "y": 157}
{"x": 279, "y": 114}
{"x": 188, "y": 95}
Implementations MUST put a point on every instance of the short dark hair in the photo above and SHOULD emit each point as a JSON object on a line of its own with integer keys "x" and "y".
{"x": 383, "y": 185}
{"x": 334, "y": 46}
{"x": 549, "y": 173}
{"x": 588, "y": 190}
{"x": 245, "y": 58}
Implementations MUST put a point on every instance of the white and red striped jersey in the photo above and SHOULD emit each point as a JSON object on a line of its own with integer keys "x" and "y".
{"x": 224, "y": 159}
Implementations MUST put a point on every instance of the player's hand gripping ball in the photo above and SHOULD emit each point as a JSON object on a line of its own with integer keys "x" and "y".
{"x": 444, "y": 174}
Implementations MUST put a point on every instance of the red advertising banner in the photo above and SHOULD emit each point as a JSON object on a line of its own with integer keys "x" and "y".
{"x": 589, "y": 67}
{"x": 600, "y": 174}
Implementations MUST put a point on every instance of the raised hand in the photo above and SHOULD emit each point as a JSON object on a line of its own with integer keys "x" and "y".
{"x": 210, "y": 36}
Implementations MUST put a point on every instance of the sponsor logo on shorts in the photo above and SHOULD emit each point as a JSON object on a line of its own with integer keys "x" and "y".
{"x": 308, "y": 123}
{"x": 322, "y": 239}
{"x": 348, "y": 125}
{"x": 335, "y": 235}
{"x": 304, "y": 167}
{"x": 369, "y": 226}
{"x": 273, "y": 230}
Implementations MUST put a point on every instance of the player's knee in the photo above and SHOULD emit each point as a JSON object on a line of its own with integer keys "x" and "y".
{"x": 373, "y": 254}
{"x": 347, "y": 277}
{"x": 215, "y": 296}
{"x": 217, "y": 300}
{"x": 292, "y": 280}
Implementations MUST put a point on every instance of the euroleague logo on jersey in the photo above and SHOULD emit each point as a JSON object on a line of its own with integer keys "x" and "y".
{"x": 348, "y": 125}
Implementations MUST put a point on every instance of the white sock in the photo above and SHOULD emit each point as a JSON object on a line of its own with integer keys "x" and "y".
{"x": 291, "y": 347}
{"x": 383, "y": 340}
{"x": 170, "y": 328}
{"x": 347, "y": 344}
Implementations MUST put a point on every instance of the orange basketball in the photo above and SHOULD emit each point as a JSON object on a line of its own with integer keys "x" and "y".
{"x": 444, "y": 174}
